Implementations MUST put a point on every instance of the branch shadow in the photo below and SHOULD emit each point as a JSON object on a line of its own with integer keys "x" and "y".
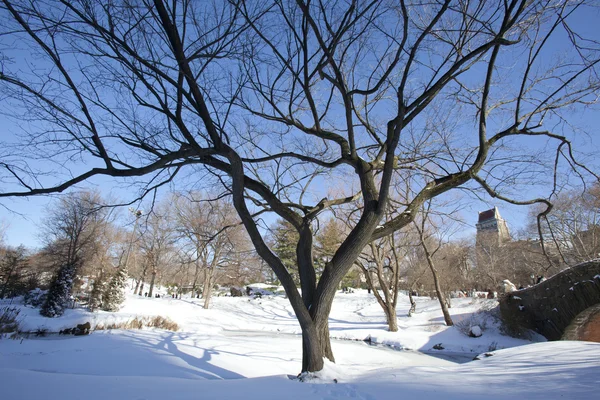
{"x": 199, "y": 366}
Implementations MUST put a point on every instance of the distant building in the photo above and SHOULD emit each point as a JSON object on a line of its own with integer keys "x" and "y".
{"x": 491, "y": 227}
{"x": 499, "y": 257}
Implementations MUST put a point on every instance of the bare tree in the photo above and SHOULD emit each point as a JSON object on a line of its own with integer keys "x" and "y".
{"x": 380, "y": 263}
{"x": 157, "y": 240}
{"x": 277, "y": 98}
{"x": 431, "y": 241}
{"x": 455, "y": 261}
{"x": 213, "y": 234}
{"x": 573, "y": 226}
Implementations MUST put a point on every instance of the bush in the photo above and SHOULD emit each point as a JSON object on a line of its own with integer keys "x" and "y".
{"x": 35, "y": 298}
{"x": 480, "y": 318}
{"x": 59, "y": 293}
{"x": 8, "y": 320}
{"x": 114, "y": 296}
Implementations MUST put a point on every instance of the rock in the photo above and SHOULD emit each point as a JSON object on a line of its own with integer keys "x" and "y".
{"x": 438, "y": 347}
{"x": 236, "y": 292}
{"x": 508, "y": 286}
{"x": 82, "y": 329}
{"x": 484, "y": 355}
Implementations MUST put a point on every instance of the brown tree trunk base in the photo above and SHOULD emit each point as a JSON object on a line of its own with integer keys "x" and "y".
{"x": 392, "y": 320}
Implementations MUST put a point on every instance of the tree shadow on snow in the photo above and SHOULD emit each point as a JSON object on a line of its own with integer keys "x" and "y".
{"x": 201, "y": 366}
{"x": 126, "y": 353}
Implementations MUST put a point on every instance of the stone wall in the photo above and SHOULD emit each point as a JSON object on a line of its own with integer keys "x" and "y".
{"x": 550, "y": 306}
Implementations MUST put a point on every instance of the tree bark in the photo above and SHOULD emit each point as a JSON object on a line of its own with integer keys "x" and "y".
{"x": 312, "y": 353}
{"x": 392, "y": 319}
{"x": 208, "y": 284}
{"x": 413, "y": 304}
{"x": 141, "y": 292}
{"x": 195, "y": 282}
{"x": 152, "y": 282}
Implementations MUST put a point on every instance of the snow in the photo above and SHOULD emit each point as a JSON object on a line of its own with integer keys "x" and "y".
{"x": 245, "y": 348}
{"x": 476, "y": 331}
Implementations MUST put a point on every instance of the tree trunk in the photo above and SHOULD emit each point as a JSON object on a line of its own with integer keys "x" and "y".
{"x": 142, "y": 278}
{"x": 436, "y": 282}
{"x": 208, "y": 284}
{"x": 316, "y": 345}
{"x": 440, "y": 294}
{"x": 448, "y": 300}
{"x": 313, "y": 311}
{"x": 413, "y": 304}
{"x": 392, "y": 319}
{"x": 152, "y": 282}
{"x": 195, "y": 282}
{"x": 325, "y": 341}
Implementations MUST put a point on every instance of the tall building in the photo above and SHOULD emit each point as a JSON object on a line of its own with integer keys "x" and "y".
{"x": 491, "y": 227}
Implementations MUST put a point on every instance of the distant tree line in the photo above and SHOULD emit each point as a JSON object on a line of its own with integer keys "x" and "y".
{"x": 90, "y": 250}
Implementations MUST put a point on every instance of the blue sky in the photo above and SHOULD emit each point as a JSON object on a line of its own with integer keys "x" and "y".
{"x": 24, "y": 216}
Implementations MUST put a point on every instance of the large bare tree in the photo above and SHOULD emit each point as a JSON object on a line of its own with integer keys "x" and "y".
{"x": 278, "y": 99}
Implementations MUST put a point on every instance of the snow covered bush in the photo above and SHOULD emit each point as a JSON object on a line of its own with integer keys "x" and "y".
{"x": 257, "y": 292}
{"x": 35, "y": 298}
{"x": 59, "y": 293}
{"x": 8, "y": 320}
{"x": 97, "y": 293}
{"x": 476, "y": 323}
{"x": 114, "y": 296}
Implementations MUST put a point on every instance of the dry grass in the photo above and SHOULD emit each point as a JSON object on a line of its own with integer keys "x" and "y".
{"x": 140, "y": 323}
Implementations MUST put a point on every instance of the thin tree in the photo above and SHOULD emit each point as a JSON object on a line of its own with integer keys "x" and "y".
{"x": 381, "y": 270}
{"x": 431, "y": 241}
{"x": 157, "y": 239}
{"x": 278, "y": 98}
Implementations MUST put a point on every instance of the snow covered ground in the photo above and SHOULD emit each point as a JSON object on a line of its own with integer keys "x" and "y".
{"x": 245, "y": 348}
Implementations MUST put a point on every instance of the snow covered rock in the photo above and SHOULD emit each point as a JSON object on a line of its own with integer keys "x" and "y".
{"x": 508, "y": 286}
{"x": 475, "y": 331}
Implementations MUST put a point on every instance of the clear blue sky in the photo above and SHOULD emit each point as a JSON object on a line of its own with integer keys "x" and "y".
{"x": 23, "y": 217}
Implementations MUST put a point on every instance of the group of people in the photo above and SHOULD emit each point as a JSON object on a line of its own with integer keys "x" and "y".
{"x": 158, "y": 296}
